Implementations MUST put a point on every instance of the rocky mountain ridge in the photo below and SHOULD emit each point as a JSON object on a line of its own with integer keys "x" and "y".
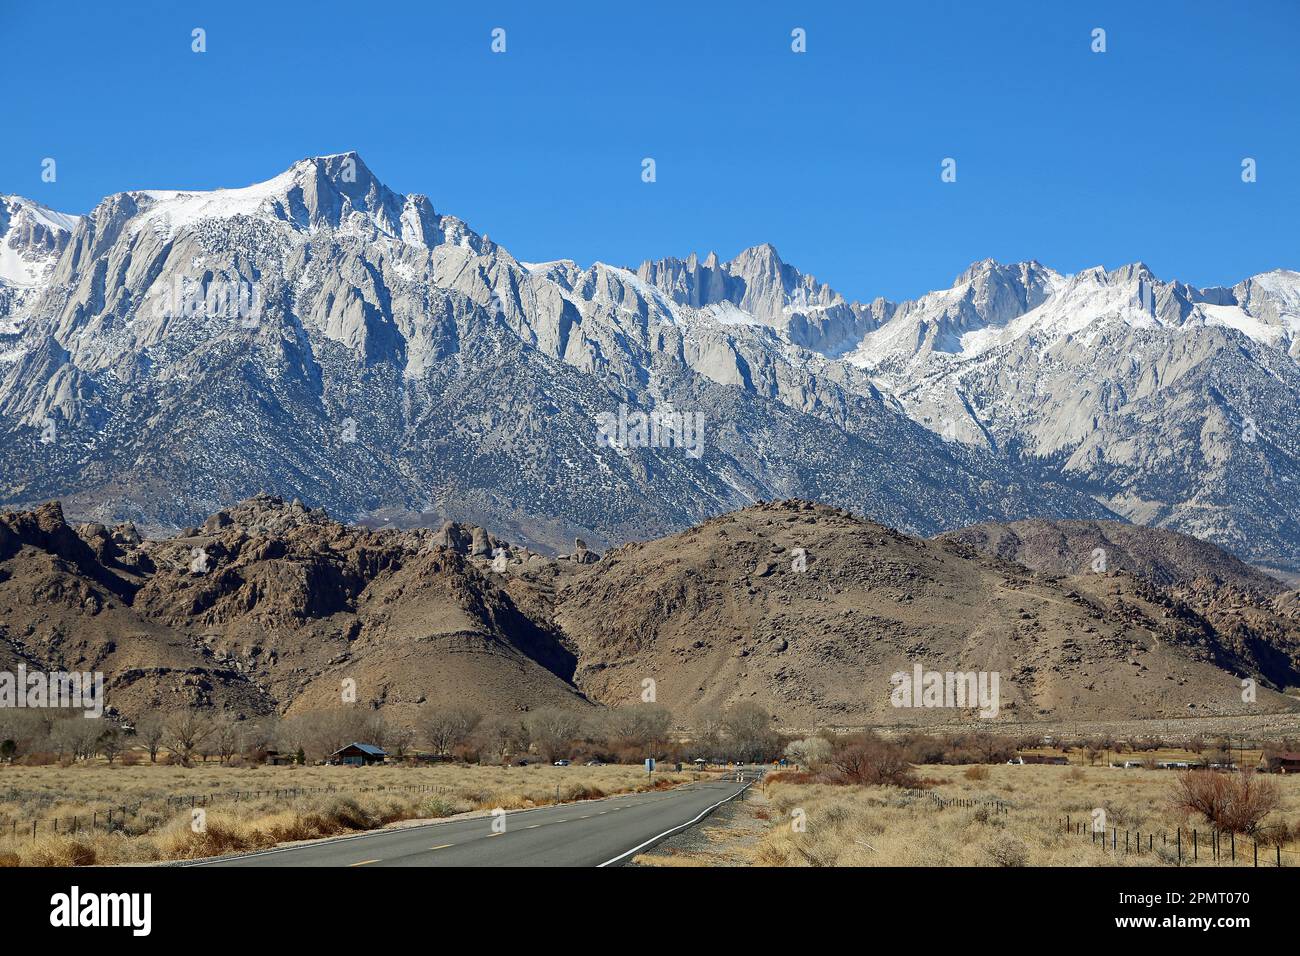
{"x": 807, "y": 610}
{"x": 324, "y": 336}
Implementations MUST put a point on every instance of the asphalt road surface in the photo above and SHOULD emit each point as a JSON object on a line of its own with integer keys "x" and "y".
{"x": 605, "y": 832}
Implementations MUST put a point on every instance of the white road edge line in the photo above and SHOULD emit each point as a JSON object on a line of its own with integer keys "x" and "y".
{"x": 703, "y": 813}
{"x": 386, "y": 831}
{"x": 389, "y": 831}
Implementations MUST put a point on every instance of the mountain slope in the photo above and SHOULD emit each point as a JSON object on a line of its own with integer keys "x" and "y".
{"x": 271, "y": 607}
{"x": 1171, "y": 405}
{"x": 32, "y": 237}
{"x": 1255, "y": 618}
{"x": 722, "y": 614}
{"x": 325, "y": 337}
{"x": 1165, "y": 558}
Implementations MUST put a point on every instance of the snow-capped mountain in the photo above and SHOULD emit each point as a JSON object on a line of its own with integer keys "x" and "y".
{"x": 322, "y": 336}
{"x": 31, "y": 239}
{"x": 1174, "y": 406}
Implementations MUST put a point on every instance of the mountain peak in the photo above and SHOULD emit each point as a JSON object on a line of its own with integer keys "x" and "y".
{"x": 976, "y": 269}
{"x": 764, "y": 252}
{"x": 343, "y": 169}
{"x": 328, "y": 190}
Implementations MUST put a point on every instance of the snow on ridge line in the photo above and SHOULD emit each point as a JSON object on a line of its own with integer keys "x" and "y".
{"x": 43, "y": 214}
{"x": 648, "y": 292}
{"x": 182, "y": 207}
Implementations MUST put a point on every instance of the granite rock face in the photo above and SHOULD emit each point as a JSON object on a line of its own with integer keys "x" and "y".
{"x": 323, "y": 337}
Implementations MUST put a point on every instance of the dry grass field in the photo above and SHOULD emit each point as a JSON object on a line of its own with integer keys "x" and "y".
{"x": 363, "y": 798}
{"x": 889, "y": 826}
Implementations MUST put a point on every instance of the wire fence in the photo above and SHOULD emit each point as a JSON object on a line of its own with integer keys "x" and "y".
{"x": 1186, "y": 846}
{"x": 999, "y": 806}
{"x": 116, "y": 817}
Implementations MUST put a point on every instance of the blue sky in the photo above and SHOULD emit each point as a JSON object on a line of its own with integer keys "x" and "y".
{"x": 1064, "y": 155}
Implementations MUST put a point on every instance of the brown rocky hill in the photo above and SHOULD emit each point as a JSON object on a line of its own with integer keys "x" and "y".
{"x": 1255, "y": 619}
{"x": 721, "y": 614}
{"x": 1159, "y": 555}
{"x": 270, "y": 607}
{"x": 803, "y": 608}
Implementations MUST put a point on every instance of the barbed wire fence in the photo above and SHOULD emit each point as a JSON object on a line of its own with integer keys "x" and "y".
{"x": 1186, "y": 846}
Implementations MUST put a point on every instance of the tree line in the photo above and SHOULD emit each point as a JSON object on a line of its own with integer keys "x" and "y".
{"x": 188, "y": 735}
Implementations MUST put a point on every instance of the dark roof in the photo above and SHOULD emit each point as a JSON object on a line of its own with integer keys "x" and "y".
{"x": 364, "y": 748}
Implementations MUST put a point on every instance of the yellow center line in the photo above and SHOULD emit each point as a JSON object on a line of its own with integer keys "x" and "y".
{"x": 363, "y": 863}
{"x": 441, "y": 846}
{"x": 496, "y": 834}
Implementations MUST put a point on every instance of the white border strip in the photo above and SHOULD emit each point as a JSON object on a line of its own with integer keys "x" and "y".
{"x": 703, "y": 813}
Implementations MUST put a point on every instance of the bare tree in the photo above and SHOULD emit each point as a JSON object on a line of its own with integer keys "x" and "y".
{"x": 552, "y": 730}
{"x": 809, "y": 753}
{"x": 400, "y": 740}
{"x": 76, "y": 736}
{"x": 226, "y": 737}
{"x": 26, "y": 730}
{"x": 872, "y": 761}
{"x": 501, "y": 735}
{"x": 448, "y": 727}
{"x": 748, "y": 731}
{"x": 150, "y": 730}
{"x": 63, "y": 737}
{"x": 184, "y": 731}
{"x": 707, "y": 738}
{"x": 258, "y": 736}
{"x": 110, "y": 743}
{"x": 639, "y": 726}
{"x": 992, "y": 748}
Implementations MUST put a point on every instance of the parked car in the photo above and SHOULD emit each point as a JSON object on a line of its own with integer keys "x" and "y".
{"x": 594, "y": 763}
{"x": 561, "y": 763}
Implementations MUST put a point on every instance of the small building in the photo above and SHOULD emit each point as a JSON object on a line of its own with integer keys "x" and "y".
{"x": 358, "y": 755}
{"x": 1282, "y": 763}
{"x": 276, "y": 759}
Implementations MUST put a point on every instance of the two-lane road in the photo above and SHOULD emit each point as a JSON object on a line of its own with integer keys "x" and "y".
{"x": 604, "y": 832}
